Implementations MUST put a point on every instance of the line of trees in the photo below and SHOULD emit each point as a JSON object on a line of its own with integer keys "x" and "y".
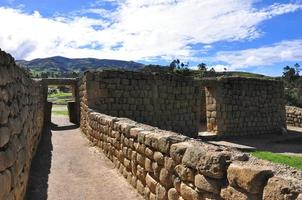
{"x": 293, "y": 85}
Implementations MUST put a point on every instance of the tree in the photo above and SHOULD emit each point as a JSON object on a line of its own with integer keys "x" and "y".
{"x": 211, "y": 72}
{"x": 202, "y": 67}
{"x": 297, "y": 69}
{"x": 174, "y": 64}
{"x": 289, "y": 73}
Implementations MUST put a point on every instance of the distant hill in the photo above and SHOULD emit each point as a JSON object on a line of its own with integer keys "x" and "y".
{"x": 242, "y": 74}
{"x": 61, "y": 65}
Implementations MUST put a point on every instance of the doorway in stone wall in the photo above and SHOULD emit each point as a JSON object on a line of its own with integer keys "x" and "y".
{"x": 62, "y": 96}
{"x": 59, "y": 96}
{"x": 203, "y": 111}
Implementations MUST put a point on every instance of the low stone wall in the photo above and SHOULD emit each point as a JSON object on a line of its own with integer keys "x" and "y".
{"x": 165, "y": 165}
{"x": 21, "y": 123}
{"x": 294, "y": 116}
{"x": 170, "y": 102}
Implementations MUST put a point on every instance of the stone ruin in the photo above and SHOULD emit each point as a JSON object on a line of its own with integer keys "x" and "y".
{"x": 114, "y": 108}
{"x": 222, "y": 106}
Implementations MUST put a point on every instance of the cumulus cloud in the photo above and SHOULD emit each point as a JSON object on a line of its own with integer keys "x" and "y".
{"x": 135, "y": 30}
{"x": 284, "y": 51}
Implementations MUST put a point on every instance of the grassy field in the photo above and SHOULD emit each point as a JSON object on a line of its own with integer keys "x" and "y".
{"x": 293, "y": 161}
{"x": 60, "y": 112}
{"x": 60, "y": 98}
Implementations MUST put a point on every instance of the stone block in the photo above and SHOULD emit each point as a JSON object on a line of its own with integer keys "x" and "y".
{"x": 161, "y": 192}
{"x": 208, "y": 184}
{"x": 159, "y": 158}
{"x": 173, "y": 194}
{"x": 151, "y": 183}
{"x": 5, "y": 183}
{"x": 178, "y": 150}
{"x": 4, "y": 136}
{"x": 231, "y": 193}
{"x": 209, "y": 163}
{"x": 278, "y": 188}
{"x": 165, "y": 178}
{"x": 188, "y": 193}
{"x": 251, "y": 178}
{"x": 185, "y": 173}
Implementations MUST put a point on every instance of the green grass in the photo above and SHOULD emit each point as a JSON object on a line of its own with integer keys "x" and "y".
{"x": 60, "y": 95}
{"x": 60, "y": 98}
{"x": 60, "y": 112}
{"x": 293, "y": 161}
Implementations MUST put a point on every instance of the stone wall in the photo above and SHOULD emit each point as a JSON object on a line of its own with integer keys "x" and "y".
{"x": 21, "y": 123}
{"x": 165, "y": 165}
{"x": 167, "y": 101}
{"x": 294, "y": 116}
{"x": 245, "y": 106}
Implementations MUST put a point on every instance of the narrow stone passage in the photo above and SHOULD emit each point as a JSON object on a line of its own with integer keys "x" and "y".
{"x": 67, "y": 167}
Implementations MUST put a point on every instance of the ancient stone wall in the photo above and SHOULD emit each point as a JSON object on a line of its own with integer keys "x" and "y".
{"x": 165, "y": 165}
{"x": 245, "y": 106}
{"x": 167, "y": 101}
{"x": 21, "y": 123}
{"x": 294, "y": 116}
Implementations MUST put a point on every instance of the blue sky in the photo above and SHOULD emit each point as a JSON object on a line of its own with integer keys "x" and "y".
{"x": 260, "y": 36}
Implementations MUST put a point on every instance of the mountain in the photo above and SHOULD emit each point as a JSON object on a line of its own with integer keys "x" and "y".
{"x": 61, "y": 65}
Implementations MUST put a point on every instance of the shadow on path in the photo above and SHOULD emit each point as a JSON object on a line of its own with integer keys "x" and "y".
{"x": 56, "y": 127}
{"x": 40, "y": 168}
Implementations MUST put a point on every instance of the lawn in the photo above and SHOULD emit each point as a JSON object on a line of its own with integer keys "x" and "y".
{"x": 60, "y": 98}
{"x": 60, "y": 112}
{"x": 60, "y": 95}
{"x": 293, "y": 161}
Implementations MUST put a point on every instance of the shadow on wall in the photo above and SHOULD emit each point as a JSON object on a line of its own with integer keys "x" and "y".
{"x": 40, "y": 168}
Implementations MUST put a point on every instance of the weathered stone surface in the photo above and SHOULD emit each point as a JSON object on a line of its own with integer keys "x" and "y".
{"x": 4, "y": 113}
{"x": 231, "y": 193}
{"x": 5, "y": 183}
{"x": 151, "y": 183}
{"x": 7, "y": 158}
{"x": 159, "y": 158}
{"x": 279, "y": 189}
{"x": 173, "y": 194}
{"x": 147, "y": 193}
{"x": 250, "y": 178}
{"x": 4, "y": 136}
{"x": 212, "y": 164}
{"x": 207, "y": 184}
{"x": 165, "y": 178}
{"x": 185, "y": 173}
{"x": 169, "y": 164}
{"x": 178, "y": 150}
{"x": 148, "y": 165}
{"x": 161, "y": 192}
{"x": 140, "y": 187}
{"x": 189, "y": 193}
{"x": 165, "y": 142}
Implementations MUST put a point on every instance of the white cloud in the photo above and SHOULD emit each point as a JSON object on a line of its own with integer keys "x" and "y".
{"x": 284, "y": 51}
{"x": 136, "y": 30}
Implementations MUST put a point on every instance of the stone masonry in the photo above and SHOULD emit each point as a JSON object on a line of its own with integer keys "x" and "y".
{"x": 294, "y": 116}
{"x": 244, "y": 106}
{"x": 228, "y": 105}
{"x": 167, "y": 101}
{"x": 21, "y": 123}
{"x": 163, "y": 165}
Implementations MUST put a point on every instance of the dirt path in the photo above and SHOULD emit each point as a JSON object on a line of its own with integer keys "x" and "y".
{"x": 66, "y": 167}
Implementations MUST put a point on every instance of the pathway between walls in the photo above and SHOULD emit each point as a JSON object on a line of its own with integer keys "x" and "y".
{"x": 67, "y": 167}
